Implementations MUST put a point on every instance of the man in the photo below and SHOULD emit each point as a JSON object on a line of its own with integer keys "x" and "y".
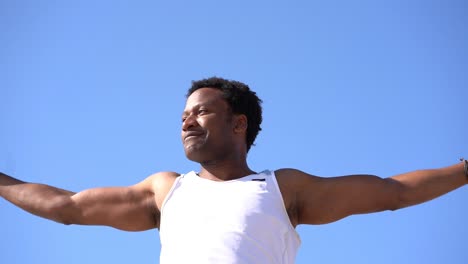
{"x": 229, "y": 213}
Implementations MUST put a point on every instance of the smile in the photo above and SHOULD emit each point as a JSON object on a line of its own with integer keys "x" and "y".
{"x": 191, "y": 135}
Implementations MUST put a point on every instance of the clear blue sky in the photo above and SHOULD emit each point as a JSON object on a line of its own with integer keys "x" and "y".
{"x": 92, "y": 93}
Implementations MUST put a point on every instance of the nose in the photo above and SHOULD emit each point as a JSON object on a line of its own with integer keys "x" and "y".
{"x": 190, "y": 121}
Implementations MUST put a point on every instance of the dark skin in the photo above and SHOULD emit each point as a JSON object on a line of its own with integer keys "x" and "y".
{"x": 215, "y": 138}
{"x": 220, "y": 149}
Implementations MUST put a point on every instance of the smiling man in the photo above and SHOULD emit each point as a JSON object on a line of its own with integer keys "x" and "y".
{"x": 227, "y": 212}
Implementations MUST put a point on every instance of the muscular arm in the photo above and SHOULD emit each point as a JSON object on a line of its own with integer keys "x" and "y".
{"x": 320, "y": 200}
{"x": 132, "y": 208}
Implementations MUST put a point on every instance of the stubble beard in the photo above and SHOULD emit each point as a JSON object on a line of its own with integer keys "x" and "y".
{"x": 205, "y": 155}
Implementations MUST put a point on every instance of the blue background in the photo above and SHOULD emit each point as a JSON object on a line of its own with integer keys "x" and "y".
{"x": 92, "y": 94}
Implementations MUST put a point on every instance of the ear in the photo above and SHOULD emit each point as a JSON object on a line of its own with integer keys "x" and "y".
{"x": 240, "y": 124}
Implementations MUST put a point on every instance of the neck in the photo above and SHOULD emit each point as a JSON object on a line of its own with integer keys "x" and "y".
{"x": 225, "y": 170}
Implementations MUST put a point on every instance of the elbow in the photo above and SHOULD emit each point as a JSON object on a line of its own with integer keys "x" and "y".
{"x": 63, "y": 210}
{"x": 398, "y": 195}
{"x": 64, "y": 222}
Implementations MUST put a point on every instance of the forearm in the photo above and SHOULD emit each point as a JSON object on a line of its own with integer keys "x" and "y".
{"x": 424, "y": 185}
{"x": 39, "y": 199}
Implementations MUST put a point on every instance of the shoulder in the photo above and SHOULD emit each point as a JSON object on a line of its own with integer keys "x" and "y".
{"x": 159, "y": 184}
{"x": 293, "y": 176}
{"x": 293, "y": 183}
{"x": 296, "y": 183}
{"x": 163, "y": 177}
{"x": 158, "y": 180}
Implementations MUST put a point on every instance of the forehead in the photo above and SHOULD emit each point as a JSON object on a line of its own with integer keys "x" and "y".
{"x": 204, "y": 97}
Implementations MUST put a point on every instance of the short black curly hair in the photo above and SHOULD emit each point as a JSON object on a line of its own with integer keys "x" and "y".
{"x": 240, "y": 98}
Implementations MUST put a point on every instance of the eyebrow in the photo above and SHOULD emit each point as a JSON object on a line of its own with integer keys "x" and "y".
{"x": 208, "y": 103}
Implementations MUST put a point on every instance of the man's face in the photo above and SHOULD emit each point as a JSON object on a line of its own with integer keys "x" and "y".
{"x": 207, "y": 127}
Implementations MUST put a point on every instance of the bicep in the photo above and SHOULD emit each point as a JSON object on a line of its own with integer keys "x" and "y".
{"x": 325, "y": 200}
{"x": 128, "y": 208}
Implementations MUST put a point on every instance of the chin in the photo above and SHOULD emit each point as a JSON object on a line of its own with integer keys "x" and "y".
{"x": 197, "y": 155}
{"x": 193, "y": 154}
{"x": 195, "y": 158}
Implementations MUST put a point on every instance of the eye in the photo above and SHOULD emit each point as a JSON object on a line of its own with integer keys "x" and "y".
{"x": 202, "y": 111}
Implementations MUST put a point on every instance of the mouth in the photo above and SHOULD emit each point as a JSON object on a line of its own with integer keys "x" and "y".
{"x": 192, "y": 134}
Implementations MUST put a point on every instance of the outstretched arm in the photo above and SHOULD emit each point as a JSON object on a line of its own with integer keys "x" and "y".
{"x": 320, "y": 200}
{"x": 132, "y": 208}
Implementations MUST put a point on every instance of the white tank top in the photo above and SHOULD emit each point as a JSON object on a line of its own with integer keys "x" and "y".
{"x": 238, "y": 221}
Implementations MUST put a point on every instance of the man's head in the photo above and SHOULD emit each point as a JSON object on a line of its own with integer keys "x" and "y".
{"x": 240, "y": 107}
{"x": 241, "y": 100}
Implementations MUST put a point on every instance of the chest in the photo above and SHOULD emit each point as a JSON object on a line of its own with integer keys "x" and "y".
{"x": 211, "y": 207}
